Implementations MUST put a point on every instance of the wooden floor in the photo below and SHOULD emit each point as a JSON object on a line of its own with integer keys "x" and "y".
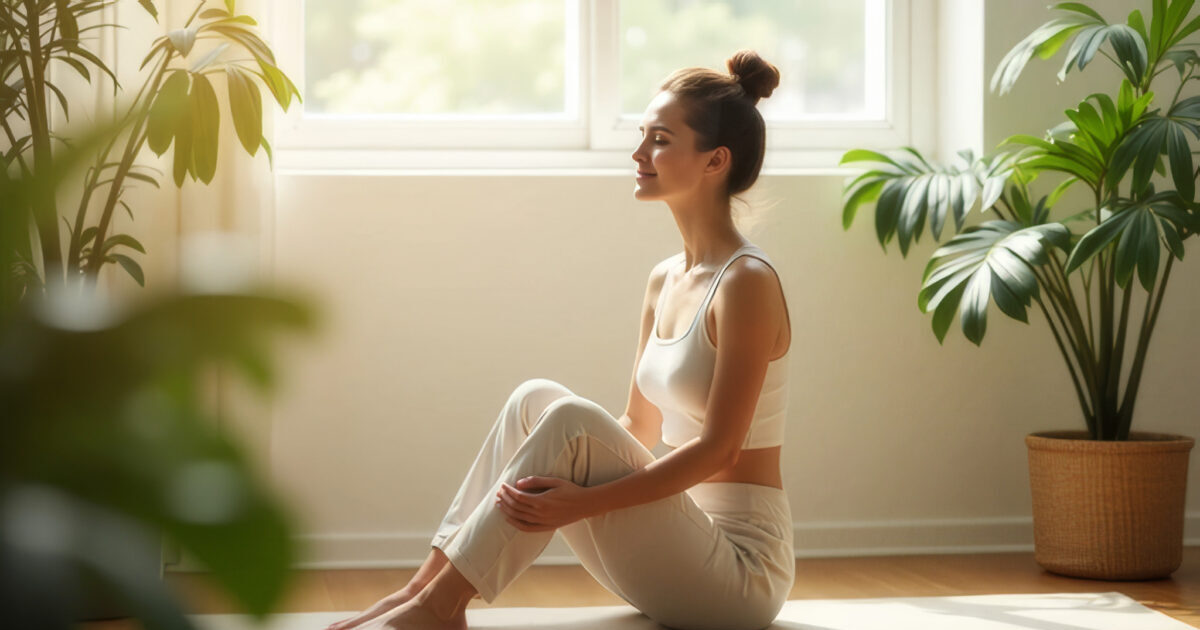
{"x": 815, "y": 579}
{"x": 833, "y": 578}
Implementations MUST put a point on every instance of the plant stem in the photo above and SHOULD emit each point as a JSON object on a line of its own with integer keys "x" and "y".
{"x": 73, "y": 250}
{"x": 1082, "y": 352}
{"x": 132, "y": 148}
{"x": 1086, "y": 280}
{"x": 1179, "y": 89}
{"x": 1088, "y": 415}
{"x": 1113, "y": 380}
{"x": 1149, "y": 320}
{"x": 44, "y": 208}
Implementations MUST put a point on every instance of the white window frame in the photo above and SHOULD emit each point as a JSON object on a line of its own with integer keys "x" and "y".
{"x": 597, "y": 136}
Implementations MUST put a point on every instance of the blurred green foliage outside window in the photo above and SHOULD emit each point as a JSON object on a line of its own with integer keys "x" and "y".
{"x": 516, "y": 57}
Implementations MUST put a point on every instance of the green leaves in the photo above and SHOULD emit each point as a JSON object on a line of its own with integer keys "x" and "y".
{"x": 993, "y": 260}
{"x": 168, "y": 112}
{"x": 910, "y": 192}
{"x": 280, "y": 85}
{"x": 1155, "y": 135}
{"x": 206, "y": 123}
{"x": 1137, "y": 227}
{"x": 245, "y": 103}
{"x": 1044, "y": 42}
{"x": 1092, "y": 148}
{"x": 1088, "y": 31}
{"x": 111, "y": 413}
{"x": 148, "y": 5}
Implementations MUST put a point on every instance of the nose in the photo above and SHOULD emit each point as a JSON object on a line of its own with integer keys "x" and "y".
{"x": 639, "y": 153}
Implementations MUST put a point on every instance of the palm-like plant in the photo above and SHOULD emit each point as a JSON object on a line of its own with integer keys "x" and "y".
{"x": 1078, "y": 268}
{"x": 176, "y": 105}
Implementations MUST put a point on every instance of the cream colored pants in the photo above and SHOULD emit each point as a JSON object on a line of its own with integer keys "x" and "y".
{"x": 717, "y": 556}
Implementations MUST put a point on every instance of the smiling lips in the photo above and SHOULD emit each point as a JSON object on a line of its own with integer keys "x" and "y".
{"x": 645, "y": 174}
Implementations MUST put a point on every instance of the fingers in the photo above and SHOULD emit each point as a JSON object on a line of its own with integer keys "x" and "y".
{"x": 518, "y": 512}
{"x": 533, "y": 483}
{"x": 510, "y": 506}
{"x": 524, "y": 498}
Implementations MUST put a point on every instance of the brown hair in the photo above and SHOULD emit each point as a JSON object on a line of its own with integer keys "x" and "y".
{"x": 720, "y": 108}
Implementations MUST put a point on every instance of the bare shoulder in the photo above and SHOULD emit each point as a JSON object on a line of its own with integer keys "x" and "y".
{"x": 750, "y": 278}
{"x": 750, "y": 301}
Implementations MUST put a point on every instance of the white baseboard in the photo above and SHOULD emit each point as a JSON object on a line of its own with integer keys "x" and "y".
{"x": 812, "y": 540}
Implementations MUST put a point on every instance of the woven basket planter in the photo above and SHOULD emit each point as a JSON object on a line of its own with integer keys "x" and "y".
{"x": 1108, "y": 510}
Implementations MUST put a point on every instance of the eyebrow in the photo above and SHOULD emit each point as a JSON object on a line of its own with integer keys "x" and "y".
{"x": 657, "y": 128}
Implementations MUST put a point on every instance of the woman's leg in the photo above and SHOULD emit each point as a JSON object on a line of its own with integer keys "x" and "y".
{"x": 429, "y": 570}
{"x": 668, "y": 558}
{"x": 516, "y": 419}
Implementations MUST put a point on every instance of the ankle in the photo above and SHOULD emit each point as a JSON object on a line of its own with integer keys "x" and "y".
{"x": 443, "y": 608}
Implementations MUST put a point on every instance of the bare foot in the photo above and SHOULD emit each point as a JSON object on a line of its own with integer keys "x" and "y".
{"x": 384, "y": 605}
{"x": 415, "y": 615}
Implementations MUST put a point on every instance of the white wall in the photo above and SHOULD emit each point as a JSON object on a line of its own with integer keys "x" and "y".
{"x": 442, "y": 293}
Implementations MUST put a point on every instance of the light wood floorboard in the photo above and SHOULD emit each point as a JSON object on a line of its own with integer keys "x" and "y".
{"x": 824, "y": 578}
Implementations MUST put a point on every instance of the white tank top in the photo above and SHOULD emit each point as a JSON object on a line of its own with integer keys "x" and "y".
{"x": 676, "y": 375}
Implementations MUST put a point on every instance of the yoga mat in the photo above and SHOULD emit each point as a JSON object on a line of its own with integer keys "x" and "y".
{"x": 1057, "y": 611}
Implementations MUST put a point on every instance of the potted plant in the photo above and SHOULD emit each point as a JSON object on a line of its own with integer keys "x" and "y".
{"x": 1108, "y": 502}
{"x": 107, "y": 443}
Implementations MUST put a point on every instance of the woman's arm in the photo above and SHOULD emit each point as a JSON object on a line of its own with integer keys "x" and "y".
{"x": 748, "y": 314}
{"x": 641, "y": 418}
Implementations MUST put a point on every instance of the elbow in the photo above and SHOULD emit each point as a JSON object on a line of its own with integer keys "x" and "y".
{"x": 724, "y": 457}
{"x": 731, "y": 458}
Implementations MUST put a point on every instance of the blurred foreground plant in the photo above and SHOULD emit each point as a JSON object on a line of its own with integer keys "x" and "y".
{"x": 107, "y": 445}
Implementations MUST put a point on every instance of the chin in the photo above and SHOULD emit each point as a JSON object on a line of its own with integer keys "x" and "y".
{"x": 643, "y": 194}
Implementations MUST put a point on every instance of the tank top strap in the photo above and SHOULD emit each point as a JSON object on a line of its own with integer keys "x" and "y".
{"x": 712, "y": 288}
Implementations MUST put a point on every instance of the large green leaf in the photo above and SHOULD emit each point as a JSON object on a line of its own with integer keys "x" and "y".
{"x": 169, "y": 108}
{"x": 148, "y": 5}
{"x": 121, "y": 239}
{"x": 280, "y": 85}
{"x": 994, "y": 260}
{"x": 206, "y": 123}
{"x": 1172, "y": 33}
{"x": 130, "y": 266}
{"x": 245, "y": 37}
{"x": 245, "y": 104}
{"x": 1044, "y": 41}
{"x": 182, "y": 164}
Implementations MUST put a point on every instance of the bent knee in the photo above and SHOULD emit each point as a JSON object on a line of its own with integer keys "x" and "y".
{"x": 573, "y": 411}
{"x": 532, "y": 397}
{"x": 539, "y": 387}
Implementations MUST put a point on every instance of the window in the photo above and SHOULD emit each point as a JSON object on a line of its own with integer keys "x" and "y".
{"x": 562, "y": 83}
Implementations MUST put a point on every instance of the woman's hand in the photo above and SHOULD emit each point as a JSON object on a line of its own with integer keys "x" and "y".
{"x": 539, "y": 504}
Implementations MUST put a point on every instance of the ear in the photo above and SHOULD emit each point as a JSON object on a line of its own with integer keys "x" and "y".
{"x": 719, "y": 162}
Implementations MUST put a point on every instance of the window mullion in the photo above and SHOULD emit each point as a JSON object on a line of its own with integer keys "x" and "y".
{"x": 606, "y": 77}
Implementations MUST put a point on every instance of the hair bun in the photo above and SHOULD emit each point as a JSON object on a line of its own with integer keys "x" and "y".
{"x": 757, "y": 77}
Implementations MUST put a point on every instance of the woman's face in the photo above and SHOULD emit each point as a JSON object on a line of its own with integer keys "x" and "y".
{"x": 668, "y": 164}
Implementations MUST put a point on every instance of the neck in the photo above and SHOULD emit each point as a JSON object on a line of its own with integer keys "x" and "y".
{"x": 706, "y": 225}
